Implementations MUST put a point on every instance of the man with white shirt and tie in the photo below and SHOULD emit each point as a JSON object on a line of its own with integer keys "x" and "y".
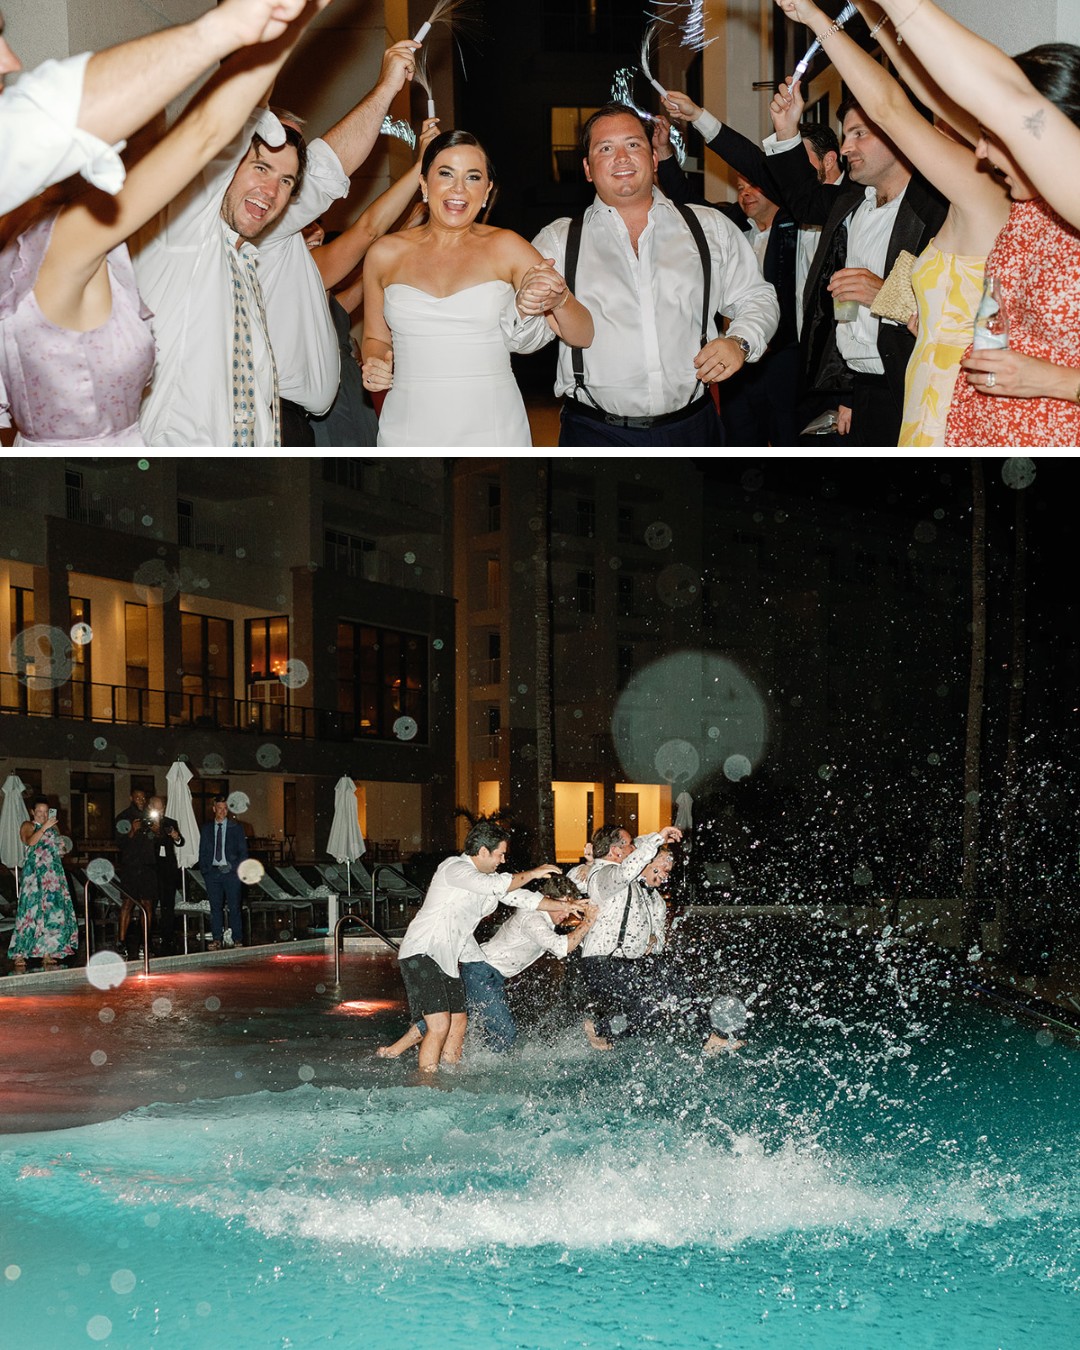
{"x": 222, "y": 848}
{"x": 654, "y": 278}
{"x": 240, "y": 315}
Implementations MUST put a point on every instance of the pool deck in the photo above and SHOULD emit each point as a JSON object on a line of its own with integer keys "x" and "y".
{"x": 207, "y": 1025}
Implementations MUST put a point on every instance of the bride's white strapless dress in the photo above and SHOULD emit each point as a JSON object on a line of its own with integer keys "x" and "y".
{"x": 452, "y": 379}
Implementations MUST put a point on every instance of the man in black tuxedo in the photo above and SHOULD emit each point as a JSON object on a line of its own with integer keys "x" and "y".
{"x": 222, "y": 848}
{"x": 135, "y": 866}
{"x": 166, "y": 836}
{"x": 882, "y": 208}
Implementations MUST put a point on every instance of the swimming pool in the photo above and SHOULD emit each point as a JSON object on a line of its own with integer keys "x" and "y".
{"x": 886, "y": 1163}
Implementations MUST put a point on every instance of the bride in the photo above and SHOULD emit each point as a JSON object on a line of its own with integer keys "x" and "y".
{"x": 446, "y": 303}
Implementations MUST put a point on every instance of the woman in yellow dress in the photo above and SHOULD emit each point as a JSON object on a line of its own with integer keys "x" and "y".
{"x": 948, "y": 275}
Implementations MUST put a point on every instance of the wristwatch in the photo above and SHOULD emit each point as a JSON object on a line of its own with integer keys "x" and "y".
{"x": 742, "y": 343}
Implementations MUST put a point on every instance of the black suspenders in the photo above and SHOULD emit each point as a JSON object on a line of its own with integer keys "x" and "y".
{"x": 573, "y": 248}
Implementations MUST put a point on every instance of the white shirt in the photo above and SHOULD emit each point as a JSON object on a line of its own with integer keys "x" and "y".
{"x": 759, "y": 242}
{"x": 646, "y": 307}
{"x": 579, "y": 875}
{"x": 523, "y": 938}
{"x": 40, "y": 139}
{"x": 613, "y": 886}
{"x": 460, "y": 895}
{"x": 870, "y": 228}
{"x": 297, "y": 313}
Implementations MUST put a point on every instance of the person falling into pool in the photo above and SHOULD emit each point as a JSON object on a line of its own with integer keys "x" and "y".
{"x": 667, "y": 993}
{"x": 463, "y": 890}
{"x": 485, "y": 968}
{"x": 629, "y": 935}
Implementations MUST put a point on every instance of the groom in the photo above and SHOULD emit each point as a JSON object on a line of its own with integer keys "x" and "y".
{"x": 653, "y": 276}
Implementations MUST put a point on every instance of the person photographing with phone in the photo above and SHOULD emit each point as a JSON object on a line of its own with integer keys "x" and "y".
{"x": 45, "y": 926}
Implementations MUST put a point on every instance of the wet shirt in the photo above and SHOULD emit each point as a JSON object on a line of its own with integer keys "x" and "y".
{"x": 460, "y": 895}
{"x": 614, "y": 886}
{"x": 521, "y": 940}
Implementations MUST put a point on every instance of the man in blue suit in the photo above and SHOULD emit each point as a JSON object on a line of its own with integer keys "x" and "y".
{"x": 222, "y": 848}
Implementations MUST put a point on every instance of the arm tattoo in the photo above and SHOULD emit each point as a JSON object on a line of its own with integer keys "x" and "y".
{"x": 1036, "y": 123}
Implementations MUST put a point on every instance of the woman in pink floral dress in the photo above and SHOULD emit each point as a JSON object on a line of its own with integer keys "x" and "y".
{"x": 45, "y": 922}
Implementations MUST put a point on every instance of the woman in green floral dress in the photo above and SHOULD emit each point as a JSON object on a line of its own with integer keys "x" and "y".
{"x": 45, "y": 921}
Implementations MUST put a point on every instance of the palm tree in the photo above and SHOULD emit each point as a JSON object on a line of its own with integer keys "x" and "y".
{"x": 545, "y": 797}
{"x": 969, "y": 923}
{"x": 1017, "y": 665}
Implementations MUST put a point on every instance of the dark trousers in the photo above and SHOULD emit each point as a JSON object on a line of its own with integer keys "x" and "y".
{"x": 651, "y": 992}
{"x": 295, "y": 425}
{"x": 614, "y": 985}
{"x": 699, "y": 430}
{"x": 875, "y": 415}
{"x": 168, "y": 880}
{"x": 222, "y": 888}
{"x": 759, "y": 404}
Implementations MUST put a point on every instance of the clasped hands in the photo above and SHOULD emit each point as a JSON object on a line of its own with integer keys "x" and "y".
{"x": 542, "y": 290}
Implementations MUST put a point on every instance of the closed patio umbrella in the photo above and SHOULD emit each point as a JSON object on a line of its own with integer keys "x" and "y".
{"x": 346, "y": 843}
{"x": 178, "y": 806}
{"x": 12, "y": 814}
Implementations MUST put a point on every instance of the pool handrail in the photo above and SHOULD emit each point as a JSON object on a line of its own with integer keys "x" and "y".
{"x": 90, "y": 929}
{"x": 354, "y": 918}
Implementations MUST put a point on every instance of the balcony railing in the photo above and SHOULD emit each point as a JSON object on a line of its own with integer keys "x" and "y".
{"x": 126, "y": 706}
{"x": 98, "y": 508}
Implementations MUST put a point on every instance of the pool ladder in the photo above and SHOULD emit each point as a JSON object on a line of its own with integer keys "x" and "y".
{"x": 355, "y": 918}
{"x": 90, "y": 930}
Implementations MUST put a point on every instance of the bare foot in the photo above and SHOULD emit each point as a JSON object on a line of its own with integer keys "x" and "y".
{"x": 716, "y": 1045}
{"x": 597, "y": 1042}
{"x": 19, "y": 963}
{"x": 412, "y": 1037}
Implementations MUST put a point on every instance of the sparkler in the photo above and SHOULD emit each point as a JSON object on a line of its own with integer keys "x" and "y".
{"x": 442, "y": 13}
{"x": 692, "y": 26}
{"x": 848, "y": 12}
{"x": 622, "y": 91}
{"x": 646, "y": 42}
{"x": 420, "y": 77}
{"x": 401, "y": 130}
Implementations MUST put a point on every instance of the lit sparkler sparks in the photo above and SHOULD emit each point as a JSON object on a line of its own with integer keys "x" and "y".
{"x": 646, "y": 43}
{"x": 442, "y": 13}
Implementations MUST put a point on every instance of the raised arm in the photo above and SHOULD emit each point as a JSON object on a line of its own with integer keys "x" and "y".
{"x": 353, "y": 137}
{"x": 125, "y": 86}
{"x": 86, "y": 231}
{"x": 949, "y": 165}
{"x": 337, "y": 259}
{"x": 913, "y": 74}
{"x": 982, "y": 79}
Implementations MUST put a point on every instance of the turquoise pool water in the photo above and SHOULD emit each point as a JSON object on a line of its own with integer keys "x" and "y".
{"x": 886, "y": 1164}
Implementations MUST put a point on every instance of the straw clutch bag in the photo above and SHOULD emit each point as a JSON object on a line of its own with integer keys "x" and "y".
{"x": 896, "y": 299}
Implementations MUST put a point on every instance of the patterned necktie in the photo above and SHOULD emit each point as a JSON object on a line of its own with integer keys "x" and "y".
{"x": 245, "y": 390}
